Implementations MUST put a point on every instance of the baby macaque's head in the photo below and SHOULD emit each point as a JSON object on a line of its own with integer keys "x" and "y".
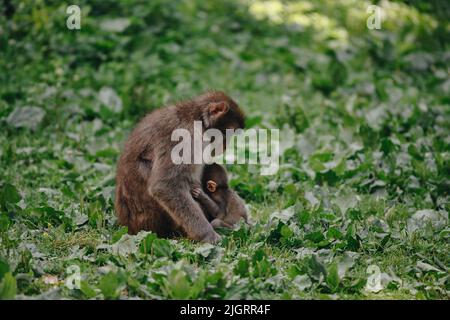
{"x": 215, "y": 185}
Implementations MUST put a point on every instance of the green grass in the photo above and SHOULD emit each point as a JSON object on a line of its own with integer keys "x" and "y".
{"x": 364, "y": 124}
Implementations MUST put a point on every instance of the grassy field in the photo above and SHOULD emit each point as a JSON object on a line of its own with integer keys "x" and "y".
{"x": 358, "y": 210}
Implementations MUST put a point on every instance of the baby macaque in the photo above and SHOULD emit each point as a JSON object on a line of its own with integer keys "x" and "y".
{"x": 221, "y": 204}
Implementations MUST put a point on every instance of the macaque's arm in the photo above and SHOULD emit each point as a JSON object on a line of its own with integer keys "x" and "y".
{"x": 210, "y": 206}
{"x": 217, "y": 223}
{"x": 170, "y": 188}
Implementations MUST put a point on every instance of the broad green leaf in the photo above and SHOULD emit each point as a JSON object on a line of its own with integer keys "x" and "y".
{"x": 110, "y": 99}
{"x": 332, "y": 278}
{"x": 302, "y": 282}
{"x": 118, "y": 234}
{"x": 4, "y": 267}
{"x": 177, "y": 285}
{"x": 8, "y": 287}
{"x": 204, "y": 249}
{"x": 147, "y": 242}
{"x": 111, "y": 284}
{"x": 162, "y": 248}
{"x": 26, "y": 117}
{"x": 286, "y": 232}
{"x": 9, "y": 195}
{"x": 316, "y": 268}
{"x": 87, "y": 290}
{"x": 242, "y": 267}
{"x": 284, "y": 215}
{"x": 421, "y": 218}
{"x": 125, "y": 246}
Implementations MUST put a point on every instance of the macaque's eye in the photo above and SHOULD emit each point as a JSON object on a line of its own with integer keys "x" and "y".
{"x": 211, "y": 186}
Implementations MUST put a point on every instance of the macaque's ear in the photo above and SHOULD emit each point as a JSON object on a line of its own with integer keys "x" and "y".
{"x": 211, "y": 186}
{"x": 217, "y": 109}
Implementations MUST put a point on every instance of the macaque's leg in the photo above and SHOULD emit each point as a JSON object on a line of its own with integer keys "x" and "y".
{"x": 185, "y": 211}
{"x": 217, "y": 223}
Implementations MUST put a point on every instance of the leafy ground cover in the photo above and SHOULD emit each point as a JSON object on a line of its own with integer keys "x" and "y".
{"x": 359, "y": 207}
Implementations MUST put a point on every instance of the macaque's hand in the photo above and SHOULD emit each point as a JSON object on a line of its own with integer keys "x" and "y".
{"x": 217, "y": 223}
{"x": 196, "y": 192}
{"x": 211, "y": 237}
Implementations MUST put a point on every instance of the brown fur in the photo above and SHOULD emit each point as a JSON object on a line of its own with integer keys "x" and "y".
{"x": 152, "y": 193}
{"x": 221, "y": 204}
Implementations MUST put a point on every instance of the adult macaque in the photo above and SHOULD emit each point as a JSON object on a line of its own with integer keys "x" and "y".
{"x": 221, "y": 204}
{"x": 152, "y": 192}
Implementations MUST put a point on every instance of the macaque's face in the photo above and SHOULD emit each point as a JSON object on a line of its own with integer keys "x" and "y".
{"x": 218, "y": 192}
{"x": 223, "y": 116}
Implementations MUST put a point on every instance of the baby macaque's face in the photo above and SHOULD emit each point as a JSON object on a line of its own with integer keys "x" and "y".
{"x": 218, "y": 192}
